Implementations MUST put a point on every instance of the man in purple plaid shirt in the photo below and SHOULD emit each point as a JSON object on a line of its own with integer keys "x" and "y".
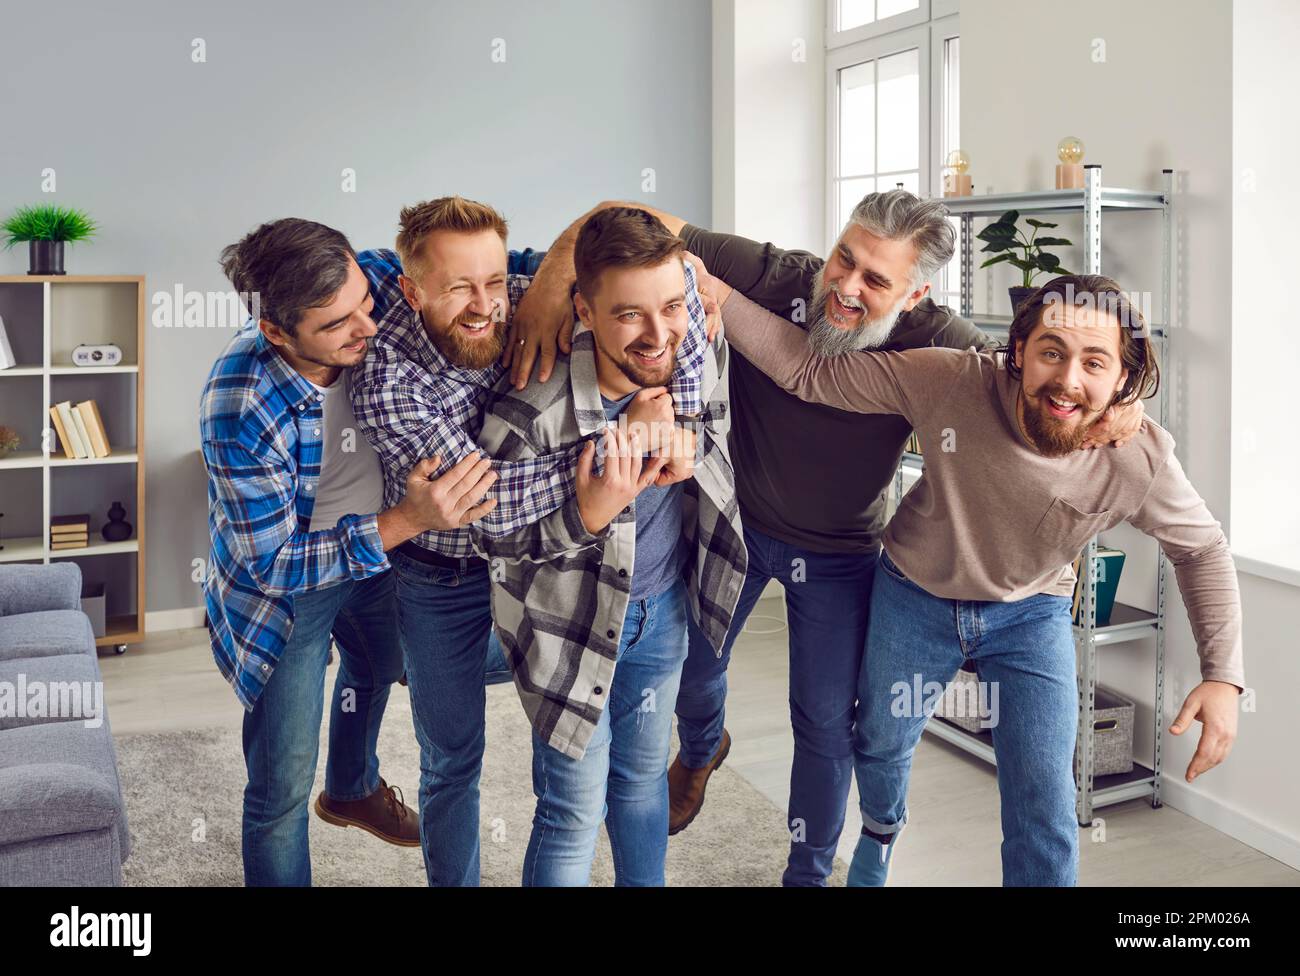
{"x": 434, "y": 370}
{"x": 299, "y": 535}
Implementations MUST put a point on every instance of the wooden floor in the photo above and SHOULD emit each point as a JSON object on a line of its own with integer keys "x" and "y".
{"x": 171, "y": 683}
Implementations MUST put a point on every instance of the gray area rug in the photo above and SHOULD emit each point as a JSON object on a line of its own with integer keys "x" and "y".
{"x": 184, "y": 795}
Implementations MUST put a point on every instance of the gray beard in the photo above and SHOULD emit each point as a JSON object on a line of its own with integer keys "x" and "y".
{"x": 826, "y": 339}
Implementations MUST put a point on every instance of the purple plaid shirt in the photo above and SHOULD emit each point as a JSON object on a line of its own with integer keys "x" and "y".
{"x": 412, "y": 403}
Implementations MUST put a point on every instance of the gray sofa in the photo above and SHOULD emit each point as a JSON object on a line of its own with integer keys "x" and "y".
{"x": 62, "y": 812}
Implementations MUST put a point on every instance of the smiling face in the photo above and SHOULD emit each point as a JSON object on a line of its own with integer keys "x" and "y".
{"x": 461, "y": 295}
{"x": 864, "y": 286}
{"x": 639, "y": 317}
{"x": 332, "y": 336}
{"x": 1071, "y": 372}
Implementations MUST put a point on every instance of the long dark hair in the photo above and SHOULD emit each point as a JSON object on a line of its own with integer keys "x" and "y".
{"x": 1136, "y": 349}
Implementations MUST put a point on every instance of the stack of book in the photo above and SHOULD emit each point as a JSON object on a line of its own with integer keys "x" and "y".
{"x": 1110, "y": 563}
{"x": 80, "y": 429}
{"x": 69, "y": 532}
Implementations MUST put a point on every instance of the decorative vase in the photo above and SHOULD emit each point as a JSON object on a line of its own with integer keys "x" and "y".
{"x": 45, "y": 258}
{"x": 118, "y": 528}
{"x": 1018, "y": 294}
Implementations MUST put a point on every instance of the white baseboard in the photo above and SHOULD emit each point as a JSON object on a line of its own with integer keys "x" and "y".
{"x": 182, "y": 619}
{"x": 1232, "y": 822}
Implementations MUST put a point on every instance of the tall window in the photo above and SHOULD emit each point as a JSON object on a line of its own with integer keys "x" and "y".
{"x": 893, "y": 111}
{"x": 880, "y": 128}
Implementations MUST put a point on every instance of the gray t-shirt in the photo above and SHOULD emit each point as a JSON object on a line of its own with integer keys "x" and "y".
{"x": 811, "y": 475}
{"x": 659, "y": 546}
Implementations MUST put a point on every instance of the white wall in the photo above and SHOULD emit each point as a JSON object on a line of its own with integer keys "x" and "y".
{"x": 1031, "y": 74}
{"x": 1265, "y": 354}
{"x": 769, "y": 154}
{"x": 176, "y": 159}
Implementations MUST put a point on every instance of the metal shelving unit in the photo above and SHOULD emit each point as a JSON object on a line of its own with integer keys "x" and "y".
{"x": 1127, "y": 623}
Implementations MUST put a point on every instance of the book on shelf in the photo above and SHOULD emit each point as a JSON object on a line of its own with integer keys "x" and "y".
{"x": 81, "y": 429}
{"x": 69, "y": 523}
{"x": 1110, "y": 563}
{"x": 88, "y": 412}
{"x": 69, "y": 532}
{"x": 6, "y": 351}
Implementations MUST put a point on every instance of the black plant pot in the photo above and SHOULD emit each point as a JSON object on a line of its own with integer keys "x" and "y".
{"x": 46, "y": 258}
{"x": 1018, "y": 295}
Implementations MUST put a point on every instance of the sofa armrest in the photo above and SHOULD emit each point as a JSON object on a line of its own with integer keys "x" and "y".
{"x": 27, "y": 589}
{"x": 43, "y": 800}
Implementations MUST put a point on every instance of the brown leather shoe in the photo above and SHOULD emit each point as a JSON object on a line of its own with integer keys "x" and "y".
{"x": 686, "y": 787}
{"x": 382, "y": 813}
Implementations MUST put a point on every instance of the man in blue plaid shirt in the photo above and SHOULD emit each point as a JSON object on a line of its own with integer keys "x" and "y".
{"x": 434, "y": 370}
{"x": 299, "y": 539}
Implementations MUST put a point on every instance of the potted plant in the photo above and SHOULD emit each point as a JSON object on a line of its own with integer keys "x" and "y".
{"x": 1004, "y": 238}
{"x": 46, "y": 227}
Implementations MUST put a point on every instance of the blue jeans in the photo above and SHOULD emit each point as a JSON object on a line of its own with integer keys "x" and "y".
{"x": 282, "y": 732}
{"x": 622, "y": 779}
{"x": 445, "y": 616}
{"x": 1024, "y": 655}
{"x": 827, "y": 597}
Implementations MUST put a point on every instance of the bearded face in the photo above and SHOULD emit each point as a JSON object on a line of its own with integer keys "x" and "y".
{"x": 840, "y": 324}
{"x": 471, "y": 340}
{"x": 1057, "y": 420}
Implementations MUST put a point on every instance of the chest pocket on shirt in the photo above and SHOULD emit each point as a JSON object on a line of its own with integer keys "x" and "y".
{"x": 1064, "y": 527}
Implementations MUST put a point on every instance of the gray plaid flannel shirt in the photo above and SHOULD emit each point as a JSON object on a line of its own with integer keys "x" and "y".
{"x": 560, "y": 619}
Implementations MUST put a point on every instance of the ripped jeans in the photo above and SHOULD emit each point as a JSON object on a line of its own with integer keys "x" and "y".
{"x": 622, "y": 779}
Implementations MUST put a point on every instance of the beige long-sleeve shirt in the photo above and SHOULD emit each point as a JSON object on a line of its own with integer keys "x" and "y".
{"x": 991, "y": 518}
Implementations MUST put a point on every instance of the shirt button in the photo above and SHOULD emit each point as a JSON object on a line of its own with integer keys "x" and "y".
{"x": 622, "y": 572}
{"x": 320, "y": 396}
{"x": 266, "y": 667}
{"x": 598, "y": 690}
{"x": 302, "y": 406}
{"x": 609, "y": 634}
{"x": 628, "y": 509}
{"x": 306, "y": 487}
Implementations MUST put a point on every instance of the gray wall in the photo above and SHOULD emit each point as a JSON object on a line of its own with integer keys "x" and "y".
{"x": 176, "y": 159}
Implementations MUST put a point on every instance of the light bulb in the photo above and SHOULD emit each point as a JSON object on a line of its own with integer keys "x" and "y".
{"x": 1070, "y": 149}
{"x": 958, "y": 161}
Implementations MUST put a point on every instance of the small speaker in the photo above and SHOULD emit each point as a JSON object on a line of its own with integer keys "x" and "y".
{"x": 107, "y": 355}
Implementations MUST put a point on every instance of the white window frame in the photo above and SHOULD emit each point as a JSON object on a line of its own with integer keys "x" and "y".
{"x": 845, "y": 57}
{"x": 941, "y": 30}
{"x": 840, "y": 38}
{"x": 926, "y": 29}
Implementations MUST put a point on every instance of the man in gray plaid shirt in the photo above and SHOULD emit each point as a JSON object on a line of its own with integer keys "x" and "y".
{"x": 421, "y": 393}
{"x": 596, "y": 638}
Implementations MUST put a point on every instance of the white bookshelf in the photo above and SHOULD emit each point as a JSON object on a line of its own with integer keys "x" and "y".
{"x": 46, "y": 317}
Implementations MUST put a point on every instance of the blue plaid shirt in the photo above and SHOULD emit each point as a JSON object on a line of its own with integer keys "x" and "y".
{"x": 260, "y": 425}
{"x": 411, "y": 403}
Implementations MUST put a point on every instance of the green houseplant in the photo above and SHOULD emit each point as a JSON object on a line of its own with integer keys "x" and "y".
{"x": 1005, "y": 239}
{"x": 46, "y": 227}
